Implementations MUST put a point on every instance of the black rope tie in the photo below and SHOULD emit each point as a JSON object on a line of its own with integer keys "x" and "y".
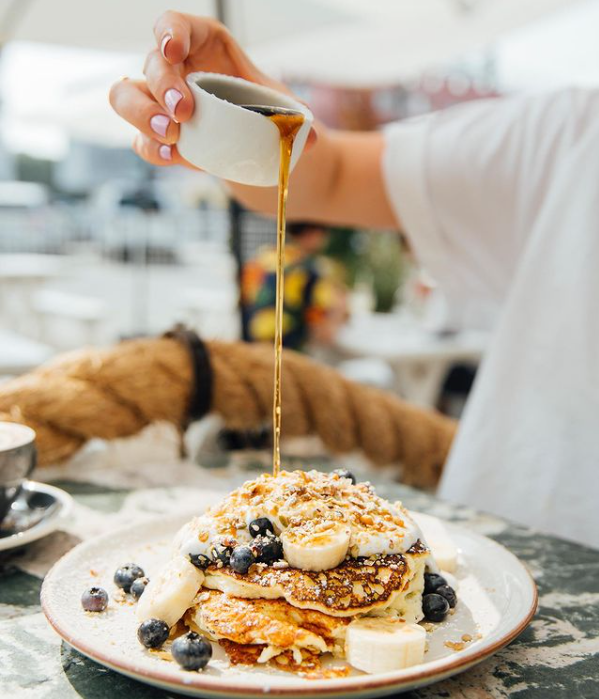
{"x": 200, "y": 397}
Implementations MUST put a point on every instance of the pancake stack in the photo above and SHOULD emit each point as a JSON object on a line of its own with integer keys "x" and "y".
{"x": 291, "y": 568}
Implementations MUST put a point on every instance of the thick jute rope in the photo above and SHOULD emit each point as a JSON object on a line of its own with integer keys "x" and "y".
{"x": 115, "y": 392}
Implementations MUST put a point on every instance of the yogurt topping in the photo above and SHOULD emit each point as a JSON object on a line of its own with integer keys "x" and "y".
{"x": 307, "y": 505}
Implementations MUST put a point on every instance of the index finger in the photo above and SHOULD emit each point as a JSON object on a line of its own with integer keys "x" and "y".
{"x": 176, "y": 33}
{"x": 173, "y": 36}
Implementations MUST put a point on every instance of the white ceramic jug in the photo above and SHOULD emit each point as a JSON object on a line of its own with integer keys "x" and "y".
{"x": 235, "y": 143}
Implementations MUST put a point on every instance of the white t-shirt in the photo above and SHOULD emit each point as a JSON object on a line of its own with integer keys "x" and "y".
{"x": 500, "y": 199}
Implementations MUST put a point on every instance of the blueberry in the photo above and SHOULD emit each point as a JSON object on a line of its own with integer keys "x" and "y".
{"x": 192, "y": 651}
{"x": 449, "y": 594}
{"x": 261, "y": 527}
{"x": 435, "y": 607}
{"x": 152, "y": 633}
{"x": 200, "y": 560}
{"x": 267, "y": 549}
{"x": 432, "y": 582}
{"x": 344, "y": 473}
{"x": 221, "y": 554}
{"x": 138, "y": 586}
{"x": 125, "y": 575}
{"x": 94, "y": 600}
{"x": 241, "y": 559}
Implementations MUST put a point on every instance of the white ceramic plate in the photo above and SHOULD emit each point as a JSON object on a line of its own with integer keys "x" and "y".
{"x": 497, "y": 598}
{"x": 36, "y": 522}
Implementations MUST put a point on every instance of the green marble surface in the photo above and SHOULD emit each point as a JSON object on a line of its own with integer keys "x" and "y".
{"x": 557, "y": 657}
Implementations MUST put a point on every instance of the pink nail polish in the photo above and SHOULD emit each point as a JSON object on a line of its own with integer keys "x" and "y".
{"x": 165, "y": 39}
{"x": 165, "y": 152}
{"x": 160, "y": 124}
{"x": 172, "y": 98}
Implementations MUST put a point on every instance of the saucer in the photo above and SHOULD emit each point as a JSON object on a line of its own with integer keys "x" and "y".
{"x": 39, "y": 510}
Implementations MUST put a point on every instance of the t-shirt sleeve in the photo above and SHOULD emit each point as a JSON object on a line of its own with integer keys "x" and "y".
{"x": 468, "y": 183}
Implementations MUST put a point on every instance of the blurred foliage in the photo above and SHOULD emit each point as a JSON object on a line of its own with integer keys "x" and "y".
{"x": 345, "y": 247}
{"x": 372, "y": 257}
{"x": 388, "y": 266}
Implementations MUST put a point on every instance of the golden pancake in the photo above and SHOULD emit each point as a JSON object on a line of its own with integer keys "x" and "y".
{"x": 356, "y": 586}
{"x": 310, "y": 667}
{"x": 274, "y": 624}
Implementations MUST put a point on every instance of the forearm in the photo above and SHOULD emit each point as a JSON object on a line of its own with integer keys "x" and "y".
{"x": 337, "y": 181}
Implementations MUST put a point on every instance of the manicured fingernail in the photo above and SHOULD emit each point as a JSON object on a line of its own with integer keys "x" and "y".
{"x": 165, "y": 152}
{"x": 165, "y": 39}
{"x": 172, "y": 98}
{"x": 160, "y": 124}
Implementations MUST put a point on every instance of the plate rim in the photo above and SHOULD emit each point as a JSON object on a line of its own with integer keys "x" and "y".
{"x": 45, "y": 526}
{"x": 220, "y": 686}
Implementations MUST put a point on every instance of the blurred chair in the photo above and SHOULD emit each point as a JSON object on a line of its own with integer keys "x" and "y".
{"x": 369, "y": 371}
{"x": 67, "y": 320}
{"x": 211, "y": 311}
{"x": 19, "y": 354}
{"x": 21, "y": 276}
{"x": 210, "y": 305}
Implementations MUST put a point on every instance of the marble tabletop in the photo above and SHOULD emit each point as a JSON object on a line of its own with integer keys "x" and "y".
{"x": 556, "y": 657}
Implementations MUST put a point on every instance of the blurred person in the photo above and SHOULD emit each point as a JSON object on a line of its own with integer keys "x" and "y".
{"x": 500, "y": 201}
{"x": 315, "y": 300}
{"x": 313, "y": 310}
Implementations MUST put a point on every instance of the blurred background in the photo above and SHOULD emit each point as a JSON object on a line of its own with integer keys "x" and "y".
{"x": 96, "y": 246}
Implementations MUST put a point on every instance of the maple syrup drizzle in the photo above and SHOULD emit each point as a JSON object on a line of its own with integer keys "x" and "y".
{"x": 289, "y": 123}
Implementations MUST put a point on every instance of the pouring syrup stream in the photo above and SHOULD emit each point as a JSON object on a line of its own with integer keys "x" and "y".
{"x": 288, "y": 122}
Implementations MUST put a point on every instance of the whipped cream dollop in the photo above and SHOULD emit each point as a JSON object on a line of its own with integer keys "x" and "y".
{"x": 306, "y": 507}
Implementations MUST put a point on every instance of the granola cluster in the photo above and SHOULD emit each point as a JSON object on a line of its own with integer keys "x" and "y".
{"x": 310, "y": 506}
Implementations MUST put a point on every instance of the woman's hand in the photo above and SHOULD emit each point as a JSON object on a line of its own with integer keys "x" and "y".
{"x": 156, "y": 106}
{"x": 339, "y": 177}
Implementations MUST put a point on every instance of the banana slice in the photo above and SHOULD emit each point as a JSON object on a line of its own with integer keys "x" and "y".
{"x": 170, "y": 593}
{"x": 384, "y": 645}
{"x": 316, "y": 551}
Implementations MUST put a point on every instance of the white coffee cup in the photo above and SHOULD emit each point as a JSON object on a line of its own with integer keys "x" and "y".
{"x": 17, "y": 460}
{"x": 235, "y": 143}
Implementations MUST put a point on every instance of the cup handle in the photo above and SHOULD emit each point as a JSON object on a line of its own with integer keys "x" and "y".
{"x": 33, "y": 462}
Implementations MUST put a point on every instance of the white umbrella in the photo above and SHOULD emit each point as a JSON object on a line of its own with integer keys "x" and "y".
{"x": 345, "y": 42}
{"x": 126, "y": 25}
{"x": 390, "y": 41}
